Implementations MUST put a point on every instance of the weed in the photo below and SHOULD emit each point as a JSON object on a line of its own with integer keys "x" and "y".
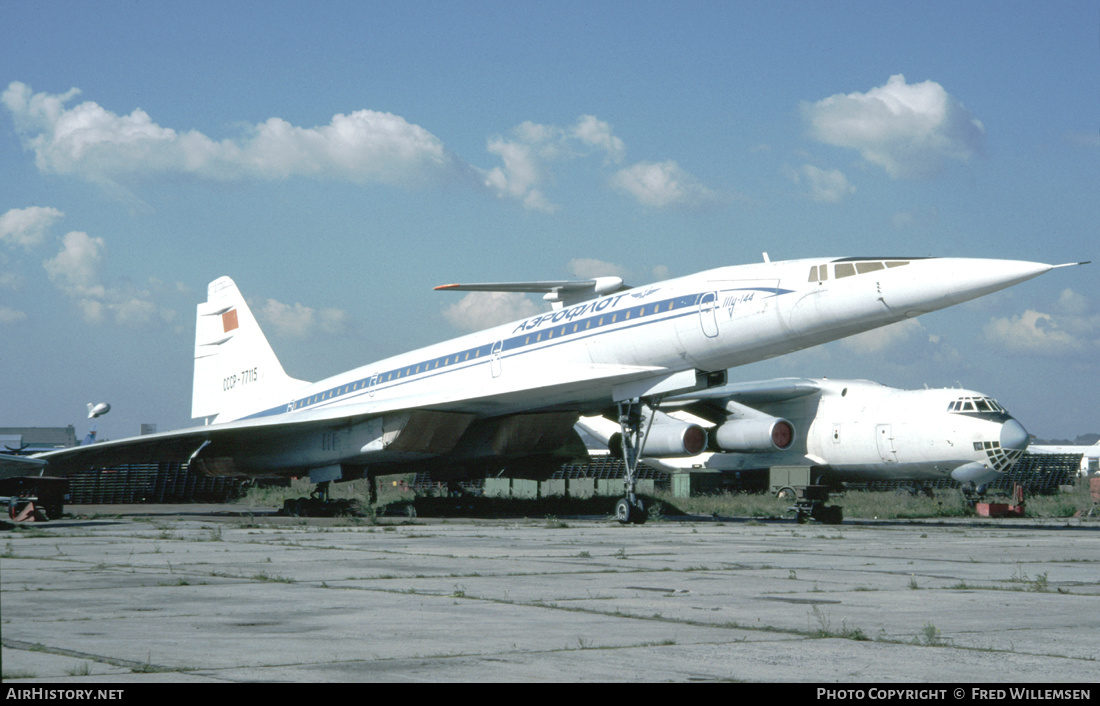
{"x": 264, "y": 576}
{"x": 824, "y": 625}
{"x": 1037, "y": 585}
{"x": 852, "y": 633}
{"x": 930, "y": 636}
{"x": 79, "y": 670}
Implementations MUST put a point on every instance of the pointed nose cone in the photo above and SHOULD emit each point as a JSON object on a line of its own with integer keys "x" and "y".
{"x": 1014, "y": 436}
{"x": 979, "y": 277}
{"x": 936, "y": 283}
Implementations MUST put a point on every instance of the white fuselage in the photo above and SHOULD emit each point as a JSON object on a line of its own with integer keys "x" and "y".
{"x": 861, "y": 431}
{"x": 605, "y": 350}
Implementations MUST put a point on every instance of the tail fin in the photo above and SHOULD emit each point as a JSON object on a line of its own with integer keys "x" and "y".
{"x": 236, "y": 372}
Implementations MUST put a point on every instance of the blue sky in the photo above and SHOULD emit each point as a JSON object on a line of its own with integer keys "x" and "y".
{"x": 338, "y": 160}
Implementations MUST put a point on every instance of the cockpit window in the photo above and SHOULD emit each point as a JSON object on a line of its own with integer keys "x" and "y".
{"x": 820, "y": 273}
{"x": 976, "y": 404}
{"x": 845, "y": 269}
{"x": 861, "y": 267}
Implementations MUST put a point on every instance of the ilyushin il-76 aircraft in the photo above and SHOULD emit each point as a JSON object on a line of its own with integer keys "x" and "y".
{"x": 844, "y": 430}
{"x": 509, "y": 396}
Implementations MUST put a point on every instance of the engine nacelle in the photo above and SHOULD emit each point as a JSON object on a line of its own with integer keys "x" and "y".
{"x": 755, "y": 435}
{"x": 667, "y": 437}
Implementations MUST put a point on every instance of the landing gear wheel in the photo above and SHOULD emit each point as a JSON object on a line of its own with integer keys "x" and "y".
{"x": 623, "y": 511}
{"x": 628, "y": 513}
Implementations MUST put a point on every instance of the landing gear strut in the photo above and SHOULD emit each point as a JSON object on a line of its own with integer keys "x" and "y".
{"x": 630, "y": 509}
{"x": 972, "y": 494}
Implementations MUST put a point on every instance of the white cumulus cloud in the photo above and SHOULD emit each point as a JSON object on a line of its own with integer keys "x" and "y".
{"x": 827, "y": 186}
{"x": 597, "y": 133}
{"x": 298, "y": 320}
{"x": 75, "y": 271}
{"x": 910, "y": 130}
{"x": 661, "y": 185}
{"x": 1072, "y": 327}
{"x": 92, "y": 142}
{"x": 530, "y": 148}
{"x": 590, "y": 268}
{"x": 481, "y": 310}
{"x": 521, "y": 176}
{"x": 1031, "y": 332}
{"x": 878, "y": 340}
{"x": 27, "y": 227}
{"x": 11, "y": 316}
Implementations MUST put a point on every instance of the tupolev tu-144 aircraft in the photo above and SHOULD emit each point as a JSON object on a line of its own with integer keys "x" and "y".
{"x": 509, "y": 396}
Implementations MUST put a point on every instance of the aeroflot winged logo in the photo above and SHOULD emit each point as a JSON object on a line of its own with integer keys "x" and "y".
{"x": 229, "y": 320}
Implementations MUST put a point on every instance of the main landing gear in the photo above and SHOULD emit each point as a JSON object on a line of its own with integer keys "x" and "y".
{"x": 320, "y": 504}
{"x": 630, "y": 509}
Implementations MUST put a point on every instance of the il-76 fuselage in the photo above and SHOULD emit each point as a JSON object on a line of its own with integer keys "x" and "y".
{"x": 632, "y": 343}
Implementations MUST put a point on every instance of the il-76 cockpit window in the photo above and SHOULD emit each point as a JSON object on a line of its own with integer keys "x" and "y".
{"x": 820, "y": 273}
{"x": 975, "y": 404}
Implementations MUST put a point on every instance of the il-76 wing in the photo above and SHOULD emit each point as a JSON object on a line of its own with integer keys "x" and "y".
{"x": 752, "y": 393}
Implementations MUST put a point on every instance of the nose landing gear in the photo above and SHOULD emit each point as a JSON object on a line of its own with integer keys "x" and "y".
{"x": 630, "y": 509}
